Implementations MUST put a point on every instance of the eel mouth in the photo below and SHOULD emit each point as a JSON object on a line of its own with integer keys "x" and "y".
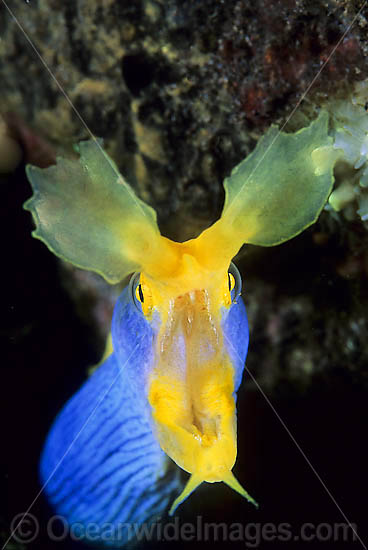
{"x": 191, "y": 389}
{"x": 191, "y": 393}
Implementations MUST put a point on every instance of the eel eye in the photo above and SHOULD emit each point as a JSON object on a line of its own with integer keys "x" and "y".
{"x": 139, "y": 293}
{"x": 231, "y": 281}
{"x": 234, "y": 282}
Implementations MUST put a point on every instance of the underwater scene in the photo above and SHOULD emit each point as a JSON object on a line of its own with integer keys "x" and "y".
{"x": 184, "y": 210}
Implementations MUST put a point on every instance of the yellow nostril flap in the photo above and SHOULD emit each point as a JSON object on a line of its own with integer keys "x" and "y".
{"x": 232, "y": 482}
{"x": 193, "y": 482}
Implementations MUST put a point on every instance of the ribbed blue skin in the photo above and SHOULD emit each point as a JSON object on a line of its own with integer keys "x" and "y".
{"x": 101, "y": 462}
{"x": 235, "y": 331}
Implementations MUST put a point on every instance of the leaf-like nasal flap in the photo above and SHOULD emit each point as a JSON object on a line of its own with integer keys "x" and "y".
{"x": 277, "y": 191}
{"x": 87, "y": 214}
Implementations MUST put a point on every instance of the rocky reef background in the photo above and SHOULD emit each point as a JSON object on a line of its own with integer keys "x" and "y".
{"x": 180, "y": 92}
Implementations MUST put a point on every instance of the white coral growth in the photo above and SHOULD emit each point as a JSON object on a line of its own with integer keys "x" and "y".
{"x": 350, "y": 131}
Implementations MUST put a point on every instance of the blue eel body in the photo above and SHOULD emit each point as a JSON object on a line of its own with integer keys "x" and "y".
{"x": 102, "y": 463}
